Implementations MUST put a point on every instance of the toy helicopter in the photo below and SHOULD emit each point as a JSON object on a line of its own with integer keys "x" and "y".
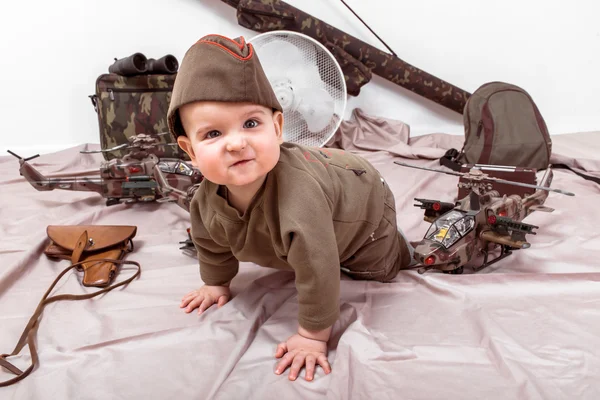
{"x": 137, "y": 177}
{"x": 478, "y": 223}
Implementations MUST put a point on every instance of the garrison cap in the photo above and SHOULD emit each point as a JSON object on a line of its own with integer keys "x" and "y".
{"x": 217, "y": 68}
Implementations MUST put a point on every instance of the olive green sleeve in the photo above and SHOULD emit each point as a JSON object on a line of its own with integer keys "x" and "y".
{"x": 309, "y": 236}
{"x": 218, "y": 265}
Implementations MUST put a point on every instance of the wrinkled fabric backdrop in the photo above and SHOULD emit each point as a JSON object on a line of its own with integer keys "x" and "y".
{"x": 527, "y": 327}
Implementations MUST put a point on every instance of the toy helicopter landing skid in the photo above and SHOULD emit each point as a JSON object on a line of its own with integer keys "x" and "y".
{"x": 137, "y": 177}
{"x": 483, "y": 218}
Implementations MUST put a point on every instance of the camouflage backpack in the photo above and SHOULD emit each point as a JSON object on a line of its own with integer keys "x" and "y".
{"x": 130, "y": 105}
{"x": 503, "y": 126}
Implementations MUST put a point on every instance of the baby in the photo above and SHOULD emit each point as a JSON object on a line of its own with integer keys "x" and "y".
{"x": 313, "y": 211}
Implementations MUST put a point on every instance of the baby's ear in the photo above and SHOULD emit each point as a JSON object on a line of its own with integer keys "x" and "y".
{"x": 186, "y": 145}
{"x": 278, "y": 124}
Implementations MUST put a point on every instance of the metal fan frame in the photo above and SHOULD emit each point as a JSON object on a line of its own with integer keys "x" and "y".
{"x": 335, "y": 62}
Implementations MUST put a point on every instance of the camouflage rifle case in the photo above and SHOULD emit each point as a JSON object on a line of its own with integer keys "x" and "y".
{"x": 130, "y": 105}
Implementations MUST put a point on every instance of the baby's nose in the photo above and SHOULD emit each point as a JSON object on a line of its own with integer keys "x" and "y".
{"x": 236, "y": 142}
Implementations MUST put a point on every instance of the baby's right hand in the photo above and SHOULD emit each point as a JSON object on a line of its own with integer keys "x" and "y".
{"x": 205, "y": 297}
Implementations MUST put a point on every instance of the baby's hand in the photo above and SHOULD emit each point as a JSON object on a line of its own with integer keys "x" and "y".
{"x": 298, "y": 351}
{"x": 205, "y": 297}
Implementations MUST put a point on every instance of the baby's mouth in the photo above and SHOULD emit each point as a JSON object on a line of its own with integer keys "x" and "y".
{"x": 241, "y": 162}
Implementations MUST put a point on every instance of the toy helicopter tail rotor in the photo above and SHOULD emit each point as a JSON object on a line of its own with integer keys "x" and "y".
{"x": 21, "y": 158}
{"x": 32, "y": 175}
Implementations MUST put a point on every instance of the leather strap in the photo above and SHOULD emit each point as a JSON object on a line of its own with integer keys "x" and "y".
{"x": 581, "y": 174}
{"x": 79, "y": 247}
{"x": 28, "y": 335}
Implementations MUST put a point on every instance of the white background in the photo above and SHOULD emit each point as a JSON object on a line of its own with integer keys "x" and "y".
{"x": 53, "y": 51}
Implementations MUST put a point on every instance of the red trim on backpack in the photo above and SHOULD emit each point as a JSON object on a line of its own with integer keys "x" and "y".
{"x": 488, "y": 134}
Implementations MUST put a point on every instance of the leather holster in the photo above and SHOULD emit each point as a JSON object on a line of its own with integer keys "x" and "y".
{"x": 95, "y": 249}
{"x": 92, "y": 245}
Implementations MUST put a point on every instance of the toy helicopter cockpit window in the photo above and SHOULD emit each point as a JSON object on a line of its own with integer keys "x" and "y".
{"x": 175, "y": 168}
{"x": 450, "y": 227}
{"x": 184, "y": 168}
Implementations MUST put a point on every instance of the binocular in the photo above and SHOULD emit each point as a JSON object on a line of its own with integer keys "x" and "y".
{"x": 138, "y": 64}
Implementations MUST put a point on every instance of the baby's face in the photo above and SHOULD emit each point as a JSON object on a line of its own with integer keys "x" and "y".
{"x": 233, "y": 144}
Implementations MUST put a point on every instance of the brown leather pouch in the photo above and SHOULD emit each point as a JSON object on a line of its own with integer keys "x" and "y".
{"x": 95, "y": 249}
{"x": 89, "y": 244}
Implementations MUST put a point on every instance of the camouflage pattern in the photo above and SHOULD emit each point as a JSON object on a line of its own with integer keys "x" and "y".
{"x": 172, "y": 189}
{"x": 128, "y": 106}
{"x": 357, "y": 58}
{"x": 139, "y": 176}
{"x": 477, "y": 224}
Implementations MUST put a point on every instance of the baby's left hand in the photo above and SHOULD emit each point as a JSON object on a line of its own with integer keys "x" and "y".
{"x": 298, "y": 351}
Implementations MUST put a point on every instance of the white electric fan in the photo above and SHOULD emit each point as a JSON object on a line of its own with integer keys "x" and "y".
{"x": 308, "y": 82}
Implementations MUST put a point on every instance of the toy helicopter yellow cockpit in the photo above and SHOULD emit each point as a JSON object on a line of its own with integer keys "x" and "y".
{"x": 440, "y": 246}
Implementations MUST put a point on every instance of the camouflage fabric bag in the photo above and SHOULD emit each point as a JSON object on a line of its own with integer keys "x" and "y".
{"x": 130, "y": 105}
{"x": 503, "y": 126}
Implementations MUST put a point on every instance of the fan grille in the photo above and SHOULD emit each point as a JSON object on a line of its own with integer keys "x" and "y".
{"x": 319, "y": 69}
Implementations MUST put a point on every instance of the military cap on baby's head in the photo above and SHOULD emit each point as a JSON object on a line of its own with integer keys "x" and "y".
{"x": 217, "y": 68}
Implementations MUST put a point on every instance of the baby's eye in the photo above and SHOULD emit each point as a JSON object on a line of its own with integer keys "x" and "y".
{"x": 251, "y": 123}
{"x": 213, "y": 134}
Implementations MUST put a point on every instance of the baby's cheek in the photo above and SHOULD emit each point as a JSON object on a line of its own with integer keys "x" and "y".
{"x": 211, "y": 172}
{"x": 272, "y": 156}
{"x": 209, "y": 164}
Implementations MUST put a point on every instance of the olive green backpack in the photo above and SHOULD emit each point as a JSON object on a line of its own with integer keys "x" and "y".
{"x": 503, "y": 126}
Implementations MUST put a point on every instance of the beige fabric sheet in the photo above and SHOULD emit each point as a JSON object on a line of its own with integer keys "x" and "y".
{"x": 527, "y": 327}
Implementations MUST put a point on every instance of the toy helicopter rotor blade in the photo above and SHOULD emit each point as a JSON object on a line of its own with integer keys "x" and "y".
{"x": 31, "y": 158}
{"x": 105, "y": 150}
{"x": 21, "y": 158}
{"x": 529, "y": 186}
{"x": 14, "y": 154}
{"x": 430, "y": 169}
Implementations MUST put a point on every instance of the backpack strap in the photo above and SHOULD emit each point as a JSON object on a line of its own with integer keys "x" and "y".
{"x": 581, "y": 174}
{"x": 28, "y": 335}
{"x": 450, "y": 160}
